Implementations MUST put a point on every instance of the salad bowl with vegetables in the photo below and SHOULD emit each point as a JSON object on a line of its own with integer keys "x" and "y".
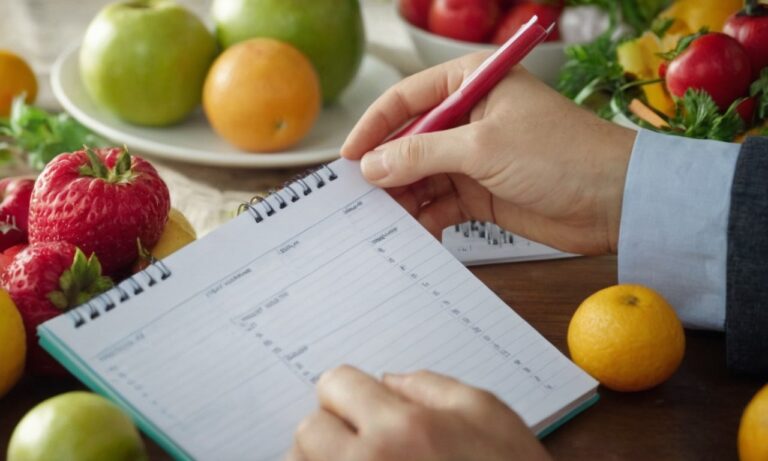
{"x": 696, "y": 68}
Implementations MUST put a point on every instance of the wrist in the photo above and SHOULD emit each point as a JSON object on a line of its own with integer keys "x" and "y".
{"x": 619, "y": 144}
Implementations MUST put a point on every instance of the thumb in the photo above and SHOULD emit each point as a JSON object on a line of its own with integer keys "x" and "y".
{"x": 404, "y": 161}
{"x": 430, "y": 389}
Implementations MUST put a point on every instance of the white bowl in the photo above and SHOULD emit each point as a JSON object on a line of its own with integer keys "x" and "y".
{"x": 544, "y": 61}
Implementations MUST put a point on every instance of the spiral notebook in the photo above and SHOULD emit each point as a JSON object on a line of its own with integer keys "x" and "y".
{"x": 476, "y": 243}
{"x": 215, "y": 351}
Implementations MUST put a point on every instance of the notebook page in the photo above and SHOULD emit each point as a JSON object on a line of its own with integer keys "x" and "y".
{"x": 222, "y": 356}
{"x": 475, "y": 243}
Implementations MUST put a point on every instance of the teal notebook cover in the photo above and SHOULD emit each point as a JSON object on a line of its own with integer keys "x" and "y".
{"x": 91, "y": 380}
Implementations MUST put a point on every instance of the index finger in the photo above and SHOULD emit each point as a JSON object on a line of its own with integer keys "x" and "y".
{"x": 410, "y": 97}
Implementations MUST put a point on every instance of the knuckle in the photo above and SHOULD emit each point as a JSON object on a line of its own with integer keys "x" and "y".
{"x": 482, "y": 398}
{"x": 411, "y": 152}
{"x": 334, "y": 376}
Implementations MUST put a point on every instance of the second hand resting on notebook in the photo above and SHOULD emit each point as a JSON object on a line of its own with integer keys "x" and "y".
{"x": 521, "y": 161}
{"x": 419, "y": 416}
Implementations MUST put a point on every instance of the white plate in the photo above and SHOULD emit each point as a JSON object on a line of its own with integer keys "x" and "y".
{"x": 194, "y": 141}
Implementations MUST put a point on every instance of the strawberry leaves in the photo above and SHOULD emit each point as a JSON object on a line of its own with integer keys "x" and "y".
{"x": 81, "y": 282}
{"x": 120, "y": 173}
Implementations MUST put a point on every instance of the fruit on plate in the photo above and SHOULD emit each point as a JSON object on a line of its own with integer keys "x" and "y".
{"x": 146, "y": 60}
{"x": 415, "y": 11}
{"x": 715, "y": 63}
{"x": 753, "y": 429}
{"x": 468, "y": 20}
{"x": 261, "y": 95}
{"x": 627, "y": 337}
{"x": 76, "y": 426}
{"x": 14, "y": 210}
{"x": 521, "y": 13}
{"x": 16, "y": 77}
{"x": 14, "y": 349}
{"x": 177, "y": 234}
{"x": 102, "y": 201}
{"x": 44, "y": 280}
{"x": 329, "y": 32}
{"x": 750, "y": 28}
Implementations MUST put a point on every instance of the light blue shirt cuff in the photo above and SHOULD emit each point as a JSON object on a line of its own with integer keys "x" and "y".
{"x": 674, "y": 223}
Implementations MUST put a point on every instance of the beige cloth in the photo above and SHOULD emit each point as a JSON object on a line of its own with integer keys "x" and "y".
{"x": 209, "y": 196}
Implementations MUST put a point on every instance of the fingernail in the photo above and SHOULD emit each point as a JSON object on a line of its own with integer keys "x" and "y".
{"x": 373, "y": 165}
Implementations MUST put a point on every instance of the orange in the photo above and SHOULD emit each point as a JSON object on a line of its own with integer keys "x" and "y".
{"x": 13, "y": 351}
{"x": 627, "y": 337}
{"x": 262, "y": 95}
{"x": 753, "y": 430}
{"x": 16, "y": 77}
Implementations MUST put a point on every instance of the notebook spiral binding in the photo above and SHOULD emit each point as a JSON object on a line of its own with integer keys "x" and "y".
{"x": 259, "y": 207}
{"x": 301, "y": 185}
{"x": 131, "y": 287}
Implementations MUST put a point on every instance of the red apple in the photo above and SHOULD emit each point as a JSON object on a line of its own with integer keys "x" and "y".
{"x": 521, "y": 14}
{"x": 14, "y": 210}
{"x": 468, "y": 20}
{"x": 415, "y": 11}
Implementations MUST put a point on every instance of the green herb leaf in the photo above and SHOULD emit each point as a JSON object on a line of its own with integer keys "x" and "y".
{"x": 43, "y": 135}
{"x": 759, "y": 89}
{"x": 683, "y": 44}
{"x": 660, "y": 26}
{"x": 591, "y": 68}
{"x": 637, "y": 14}
{"x": 697, "y": 116}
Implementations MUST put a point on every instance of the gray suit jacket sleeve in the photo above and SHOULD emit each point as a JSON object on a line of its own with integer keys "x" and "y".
{"x": 746, "y": 323}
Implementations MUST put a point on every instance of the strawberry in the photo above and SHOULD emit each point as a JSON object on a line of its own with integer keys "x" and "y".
{"x": 102, "y": 201}
{"x": 6, "y": 257}
{"x": 14, "y": 210}
{"x": 44, "y": 280}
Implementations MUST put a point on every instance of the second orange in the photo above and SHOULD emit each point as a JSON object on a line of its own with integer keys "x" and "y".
{"x": 262, "y": 95}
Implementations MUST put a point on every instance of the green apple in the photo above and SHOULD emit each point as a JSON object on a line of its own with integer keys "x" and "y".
{"x": 76, "y": 426}
{"x": 329, "y": 32}
{"x": 146, "y": 60}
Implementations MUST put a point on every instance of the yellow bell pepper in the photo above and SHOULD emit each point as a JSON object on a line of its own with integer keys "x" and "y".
{"x": 691, "y": 15}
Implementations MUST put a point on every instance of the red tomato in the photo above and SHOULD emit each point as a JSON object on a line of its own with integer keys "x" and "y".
{"x": 663, "y": 69}
{"x": 522, "y": 13}
{"x": 415, "y": 11}
{"x": 469, "y": 20}
{"x": 752, "y": 33}
{"x": 715, "y": 63}
{"x": 746, "y": 109}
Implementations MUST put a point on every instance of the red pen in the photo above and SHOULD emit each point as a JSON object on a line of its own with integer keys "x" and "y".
{"x": 446, "y": 114}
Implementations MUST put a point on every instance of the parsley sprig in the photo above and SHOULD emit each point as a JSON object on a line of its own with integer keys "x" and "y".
{"x": 43, "y": 135}
{"x": 697, "y": 116}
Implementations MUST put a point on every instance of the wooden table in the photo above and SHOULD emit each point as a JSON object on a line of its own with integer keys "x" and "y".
{"x": 693, "y": 416}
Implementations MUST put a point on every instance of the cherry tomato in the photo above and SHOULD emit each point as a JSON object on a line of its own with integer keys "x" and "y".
{"x": 663, "y": 67}
{"x": 415, "y": 11}
{"x": 746, "y": 109}
{"x": 752, "y": 33}
{"x": 522, "y": 13}
{"x": 469, "y": 20}
{"x": 715, "y": 63}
